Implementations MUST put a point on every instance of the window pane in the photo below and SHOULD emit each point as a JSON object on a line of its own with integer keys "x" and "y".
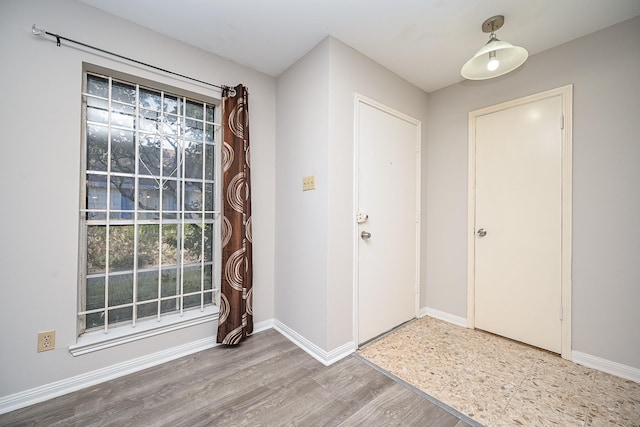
{"x": 96, "y": 248}
{"x": 123, "y": 115}
{"x": 208, "y": 162}
{"x": 193, "y": 196}
{"x": 209, "y": 132}
{"x": 192, "y": 243}
{"x": 147, "y": 285}
{"x": 94, "y": 320}
{"x": 170, "y": 156}
{"x": 120, "y": 289}
{"x": 150, "y": 99}
{"x": 170, "y": 285}
{"x": 149, "y": 152}
{"x": 97, "y": 110}
{"x": 208, "y": 298}
{"x": 119, "y": 315}
{"x": 97, "y": 148}
{"x": 96, "y": 191}
{"x": 208, "y": 197}
{"x": 122, "y": 196}
{"x": 123, "y": 151}
{"x": 193, "y": 130}
{"x": 148, "y": 246}
{"x": 120, "y": 248}
{"x": 192, "y": 278}
{"x": 208, "y": 243}
{"x": 96, "y": 215}
{"x": 169, "y": 244}
{"x": 149, "y": 194}
{"x": 208, "y": 277}
{"x": 147, "y": 310}
{"x": 98, "y": 86}
{"x": 193, "y": 160}
{"x": 194, "y": 110}
{"x": 169, "y": 198}
{"x": 95, "y": 293}
{"x": 169, "y": 305}
{"x": 171, "y": 104}
{"x": 123, "y": 92}
{"x": 210, "y": 111}
{"x": 191, "y": 301}
{"x": 149, "y": 120}
{"x": 169, "y": 125}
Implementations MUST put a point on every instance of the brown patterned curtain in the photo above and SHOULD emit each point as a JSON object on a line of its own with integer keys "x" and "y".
{"x": 236, "y": 300}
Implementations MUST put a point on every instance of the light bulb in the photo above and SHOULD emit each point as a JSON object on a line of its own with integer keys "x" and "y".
{"x": 493, "y": 63}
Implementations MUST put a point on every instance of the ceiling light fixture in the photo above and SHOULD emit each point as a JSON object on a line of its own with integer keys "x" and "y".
{"x": 495, "y": 58}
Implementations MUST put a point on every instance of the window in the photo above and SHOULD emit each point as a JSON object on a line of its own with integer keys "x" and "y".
{"x": 148, "y": 207}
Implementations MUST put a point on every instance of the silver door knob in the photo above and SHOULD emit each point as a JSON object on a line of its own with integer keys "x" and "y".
{"x": 365, "y": 235}
{"x": 482, "y": 232}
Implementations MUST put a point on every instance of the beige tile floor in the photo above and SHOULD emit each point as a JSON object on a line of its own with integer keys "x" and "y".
{"x": 499, "y": 382}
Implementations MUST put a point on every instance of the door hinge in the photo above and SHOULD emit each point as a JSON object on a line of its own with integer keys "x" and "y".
{"x": 561, "y": 311}
{"x": 562, "y": 122}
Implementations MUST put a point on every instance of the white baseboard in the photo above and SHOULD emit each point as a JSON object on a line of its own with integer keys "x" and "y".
{"x": 59, "y": 388}
{"x": 322, "y": 356}
{"x": 78, "y": 382}
{"x": 262, "y": 326}
{"x": 441, "y": 315}
{"x": 604, "y": 365}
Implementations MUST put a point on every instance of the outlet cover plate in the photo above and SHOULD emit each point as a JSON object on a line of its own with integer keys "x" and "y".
{"x": 46, "y": 341}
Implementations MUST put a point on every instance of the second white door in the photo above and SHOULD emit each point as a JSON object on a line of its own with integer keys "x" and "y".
{"x": 388, "y": 153}
{"x": 518, "y": 218}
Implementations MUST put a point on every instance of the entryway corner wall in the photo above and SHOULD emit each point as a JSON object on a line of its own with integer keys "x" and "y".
{"x": 315, "y": 103}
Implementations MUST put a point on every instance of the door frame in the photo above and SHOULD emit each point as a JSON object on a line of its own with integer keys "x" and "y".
{"x": 360, "y": 99}
{"x": 566, "y": 124}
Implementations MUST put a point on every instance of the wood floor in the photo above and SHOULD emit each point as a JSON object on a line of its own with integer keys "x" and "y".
{"x": 267, "y": 381}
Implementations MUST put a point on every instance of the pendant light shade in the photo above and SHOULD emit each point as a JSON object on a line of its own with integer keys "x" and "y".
{"x": 495, "y": 58}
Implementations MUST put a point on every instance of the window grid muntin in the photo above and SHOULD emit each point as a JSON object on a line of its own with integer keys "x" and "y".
{"x": 203, "y": 217}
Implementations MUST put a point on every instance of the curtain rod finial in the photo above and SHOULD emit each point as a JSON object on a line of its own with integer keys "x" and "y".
{"x": 36, "y": 30}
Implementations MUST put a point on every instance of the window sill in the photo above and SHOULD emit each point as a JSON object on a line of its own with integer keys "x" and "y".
{"x": 98, "y": 340}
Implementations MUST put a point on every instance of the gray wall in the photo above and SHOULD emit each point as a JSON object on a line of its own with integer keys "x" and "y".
{"x": 603, "y": 67}
{"x": 40, "y": 172}
{"x": 301, "y": 217}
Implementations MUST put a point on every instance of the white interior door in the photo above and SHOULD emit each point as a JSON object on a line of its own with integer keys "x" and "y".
{"x": 518, "y": 222}
{"x": 387, "y": 190}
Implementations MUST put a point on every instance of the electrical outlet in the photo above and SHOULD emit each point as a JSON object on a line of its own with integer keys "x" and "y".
{"x": 309, "y": 183}
{"x": 46, "y": 341}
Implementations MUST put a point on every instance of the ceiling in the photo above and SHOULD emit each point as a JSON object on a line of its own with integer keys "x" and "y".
{"x": 424, "y": 41}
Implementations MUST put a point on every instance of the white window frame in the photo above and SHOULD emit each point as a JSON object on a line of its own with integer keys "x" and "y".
{"x": 110, "y": 335}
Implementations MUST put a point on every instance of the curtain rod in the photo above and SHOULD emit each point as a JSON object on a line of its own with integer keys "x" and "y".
{"x": 39, "y": 31}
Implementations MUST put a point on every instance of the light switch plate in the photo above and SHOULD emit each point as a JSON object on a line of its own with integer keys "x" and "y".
{"x": 309, "y": 183}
